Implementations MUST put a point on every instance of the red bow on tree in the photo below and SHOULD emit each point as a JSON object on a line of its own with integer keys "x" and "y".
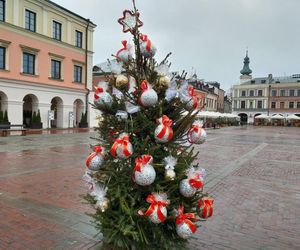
{"x": 121, "y": 141}
{"x": 98, "y": 91}
{"x": 144, "y": 85}
{"x": 144, "y": 38}
{"x": 186, "y": 218}
{"x": 156, "y": 204}
{"x": 124, "y": 43}
{"x": 195, "y": 181}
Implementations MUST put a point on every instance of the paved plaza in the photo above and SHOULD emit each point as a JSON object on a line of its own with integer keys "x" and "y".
{"x": 253, "y": 173}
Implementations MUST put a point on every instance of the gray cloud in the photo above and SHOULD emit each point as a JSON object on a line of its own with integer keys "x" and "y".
{"x": 209, "y": 35}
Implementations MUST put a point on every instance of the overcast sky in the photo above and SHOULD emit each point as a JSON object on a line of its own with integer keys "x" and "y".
{"x": 210, "y": 36}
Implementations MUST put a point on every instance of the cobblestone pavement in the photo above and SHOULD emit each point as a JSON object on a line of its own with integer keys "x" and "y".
{"x": 253, "y": 174}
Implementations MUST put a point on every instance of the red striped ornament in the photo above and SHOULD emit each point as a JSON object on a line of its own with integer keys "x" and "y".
{"x": 163, "y": 132}
{"x": 205, "y": 207}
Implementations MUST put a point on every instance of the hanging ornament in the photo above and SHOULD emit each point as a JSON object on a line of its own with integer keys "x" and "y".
{"x": 146, "y": 46}
{"x": 130, "y": 21}
{"x": 122, "y": 148}
{"x": 148, "y": 97}
{"x": 89, "y": 181}
{"x": 102, "y": 99}
{"x": 196, "y": 133}
{"x": 99, "y": 194}
{"x": 95, "y": 159}
{"x": 172, "y": 91}
{"x": 205, "y": 207}
{"x": 121, "y": 81}
{"x": 170, "y": 163}
{"x": 124, "y": 54}
{"x": 188, "y": 96}
{"x": 163, "y": 73}
{"x": 163, "y": 132}
{"x": 184, "y": 225}
{"x": 144, "y": 173}
{"x": 188, "y": 187}
{"x": 122, "y": 115}
{"x": 157, "y": 212}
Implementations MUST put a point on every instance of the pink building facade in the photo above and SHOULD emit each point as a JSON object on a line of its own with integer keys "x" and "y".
{"x": 45, "y": 63}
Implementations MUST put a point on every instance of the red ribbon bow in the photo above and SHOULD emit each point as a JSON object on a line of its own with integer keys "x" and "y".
{"x": 144, "y": 85}
{"x": 124, "y": 42}
{"x": 195, "y": 181}
{"x": 167, "y": 122}
{"x": 206, "y": 204}
{"x": 156, "y": 204}
{"x": 144, "y": 38}
{"x": 192, "y": 94}
{"x": 186, "y": 218}
{"x": 98, "y": 91}
{"x": 140, "y": 161}
{"x": 97, "y": 150}
{"x": 121, "y": 141}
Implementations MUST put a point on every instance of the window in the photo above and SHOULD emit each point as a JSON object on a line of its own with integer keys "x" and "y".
{"x": 251, "y": 105}
{"x": 77, "y": 73}
{"x": 263, "y": 81}
{"x": 282, "y": 92}
{"x": 56, "y": 30}
{"x": 243, "y": 104}
{"x": 252, "y": 81}
{"x": 30, "y": 20}
{"x": 298, "y": 105}
{"x": 291, "y": 105}
{"x": 78, "y": 39}
{"x": 298, "y": 94}
{"x": 259, "y": 104}
{"x": 55, "y": 69}
{"x": 274, "y": 92}
{"x": 292, "y": 92}
{"x": 251, "y": 93}
{"x": 259, "y": 93}
{"x": 282, "y": 105}
{"x": 243, "y": 93}
{"x": 273, "y": 105}
{"x": 2, "y": 57}
{"x": 28, "y": 63}
{"x": 2, "y": 10}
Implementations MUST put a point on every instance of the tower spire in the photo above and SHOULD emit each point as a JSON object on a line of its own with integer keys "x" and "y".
{"x": 246, "y": 69}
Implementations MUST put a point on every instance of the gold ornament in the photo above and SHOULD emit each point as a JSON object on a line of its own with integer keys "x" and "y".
{"x": 102, "y": 205}
{"x": 121, "y": 81}
{"x": 164, "y": 81}
{"x": 170, "y": 174}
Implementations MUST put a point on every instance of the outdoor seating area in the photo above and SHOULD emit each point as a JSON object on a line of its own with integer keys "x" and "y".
{"x": 291, "y": 120}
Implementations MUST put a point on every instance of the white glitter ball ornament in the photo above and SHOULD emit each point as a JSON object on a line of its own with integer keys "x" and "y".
{"x": 102, "y": 99}
{"x": 186, "y": 189}
{"x": 184, "y": 231}
{"x": 196, "y": 133}
{"x": 122, "y": 148}
{"x": 163, "y": 132}
{"x": 154, "y": 217}
{"x": 146, "y": 46}
{"x": 95, "y": 159}
{"x": 149, "y": 97}
{"x": 144, "y": 173}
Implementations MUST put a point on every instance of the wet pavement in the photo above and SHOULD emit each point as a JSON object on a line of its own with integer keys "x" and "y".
{"x": 253, "y": 173}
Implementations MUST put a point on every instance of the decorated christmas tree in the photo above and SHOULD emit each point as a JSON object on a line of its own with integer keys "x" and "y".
{"x": 142, "y": 182}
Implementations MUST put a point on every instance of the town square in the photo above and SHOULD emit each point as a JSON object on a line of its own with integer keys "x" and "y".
{"x": 130, "y": 125}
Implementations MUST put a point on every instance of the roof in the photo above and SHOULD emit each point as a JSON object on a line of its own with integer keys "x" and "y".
{"x": 71, "y": 12}
{"x": 281, "y": 79}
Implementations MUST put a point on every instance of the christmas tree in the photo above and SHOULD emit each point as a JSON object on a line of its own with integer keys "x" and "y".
{"x": 142, "y": 182}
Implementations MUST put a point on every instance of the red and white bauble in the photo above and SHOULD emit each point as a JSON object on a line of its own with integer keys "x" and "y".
{"x": 163, "y": 132}
{"x": 122, "y": 148}
{"x": 102, "y": 99}
{"x": 124, "y": 54}
{"x": 185, "y": 227}
{"x": 186, "y": 189}
{"x": 144, "y": 174}
{"x": 205, "y": 207}
{"x": 189, "y": 98}
{"x": 95, "y": 159}
{"x": 146, "y": 46}
{"x": 196, "y": 133}
{"x": 149, "y": 97}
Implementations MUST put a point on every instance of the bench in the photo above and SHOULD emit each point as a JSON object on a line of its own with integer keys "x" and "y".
{"x": 14, "y": 127}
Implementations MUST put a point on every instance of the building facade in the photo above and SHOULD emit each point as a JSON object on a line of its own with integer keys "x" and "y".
{"x": 265, "y": 95}
{"x": 46, "y": 54}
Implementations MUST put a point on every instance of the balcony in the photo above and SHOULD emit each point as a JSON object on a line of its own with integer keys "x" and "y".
{"x": 250, "y": 110}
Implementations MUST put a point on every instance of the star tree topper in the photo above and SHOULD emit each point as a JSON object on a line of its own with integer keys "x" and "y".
{"x": 130, "y": 21}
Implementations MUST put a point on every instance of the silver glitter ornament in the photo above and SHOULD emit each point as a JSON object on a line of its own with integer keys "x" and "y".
{"x": 149, "y": 98}
{"x": 186, "y": 189}
{"x": 184, "y": 231}
{"x": 146, "y": 176}
{"x": 96, "y": 162}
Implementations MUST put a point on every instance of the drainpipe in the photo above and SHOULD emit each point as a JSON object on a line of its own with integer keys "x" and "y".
{"x": 86, "y": 68}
